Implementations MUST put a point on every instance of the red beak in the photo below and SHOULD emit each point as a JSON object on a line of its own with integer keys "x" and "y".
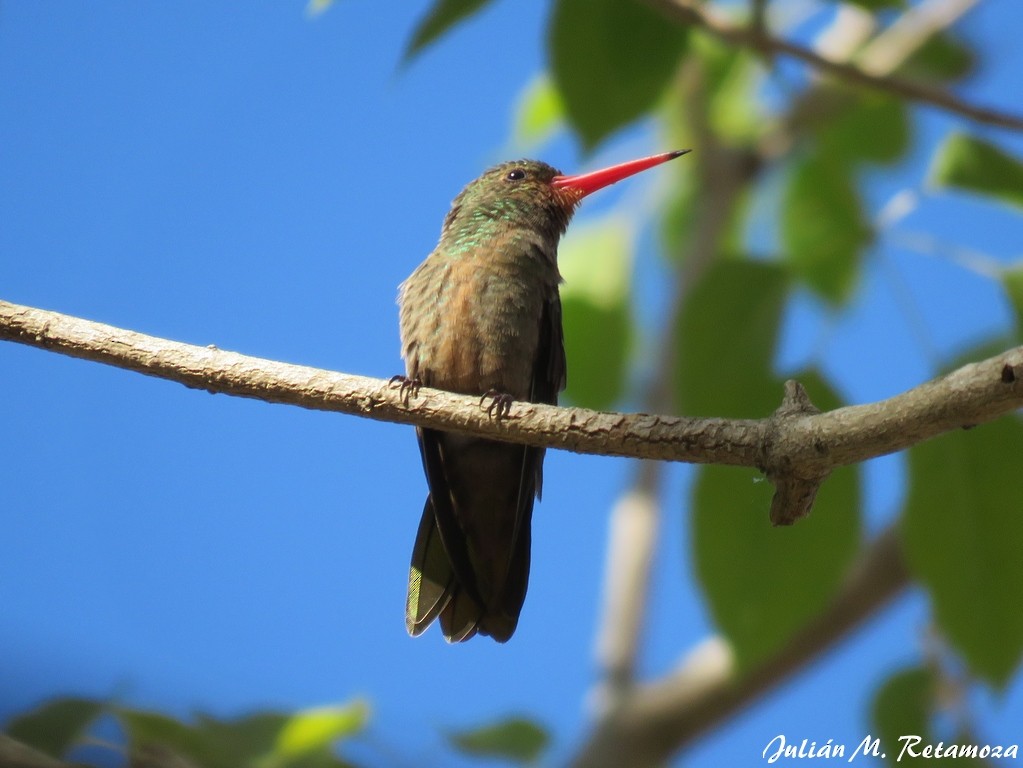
{"x": 585, "y": 183}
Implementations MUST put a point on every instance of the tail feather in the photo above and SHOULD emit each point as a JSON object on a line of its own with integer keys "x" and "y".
{"x": 431, "y": 579}
{"x": 460, "y": 618}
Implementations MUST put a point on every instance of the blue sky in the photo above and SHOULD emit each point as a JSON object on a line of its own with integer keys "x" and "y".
{"x": 255, "y": 179}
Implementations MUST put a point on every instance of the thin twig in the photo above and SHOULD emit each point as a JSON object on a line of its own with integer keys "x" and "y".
{"x": 908, "y": 33}
{"x": 758, "y": 17}
{"x": 714, "y": 23}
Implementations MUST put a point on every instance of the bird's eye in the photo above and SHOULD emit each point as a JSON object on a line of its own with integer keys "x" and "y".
{"x": 516, "y": 174}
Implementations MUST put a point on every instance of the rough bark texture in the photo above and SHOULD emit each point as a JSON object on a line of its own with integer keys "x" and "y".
{"x": 796, "y": 446}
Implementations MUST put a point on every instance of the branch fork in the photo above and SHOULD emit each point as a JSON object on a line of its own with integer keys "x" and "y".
{"x": 794, "y": 494}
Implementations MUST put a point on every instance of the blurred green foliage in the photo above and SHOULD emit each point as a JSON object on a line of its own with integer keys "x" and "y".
{"x": 304, "y": 739}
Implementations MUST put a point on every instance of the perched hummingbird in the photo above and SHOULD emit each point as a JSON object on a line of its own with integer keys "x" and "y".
{"x": 482, "y": 316}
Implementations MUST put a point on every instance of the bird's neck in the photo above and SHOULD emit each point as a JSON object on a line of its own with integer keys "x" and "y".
{"x": 482, "y": 237}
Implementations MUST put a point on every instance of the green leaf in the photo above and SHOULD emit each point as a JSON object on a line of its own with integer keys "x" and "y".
{"x": 56, "y": 726}
{"x": 149, "y": 731}
{"x": 727, "y": 334}
{"x": 596, "y": 262}
{"x": 764, "y": 583}
{"x": 730, "y": 79}
{"x": 304, "y": 739}
{"x": 515, "y": 738}
{"x": 903, "y": 706}
{"x": 962, "y": 528}
{"x": 318, "y": 729}
{"x": 442, "y": 16}
{"x": 539, "y": 112}
{"x": 865, "y": 126}
{"x": 975, "y": 165}
{"x": 611, "y": 60}
{"x": 878, "y": 5}
{"x": 1012, "y": 282}
{"x": 679, "y": 213}
{"x": 942, "y": 58}
{"x": 823, "y": 227}
{"x": 252, "y": 740}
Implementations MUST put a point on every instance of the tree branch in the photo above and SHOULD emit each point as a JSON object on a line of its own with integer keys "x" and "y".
{"x": 658, "y": 719}
{"x": 758, "y": 17}
{"x": 714, "y": 23}
{"x": 794, "y": 444}
{"x": 631, "y": 547}
{"x": 14, "y": 754}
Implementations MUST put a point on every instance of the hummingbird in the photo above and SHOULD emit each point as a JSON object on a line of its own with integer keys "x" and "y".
{"x": 482, "y": 316}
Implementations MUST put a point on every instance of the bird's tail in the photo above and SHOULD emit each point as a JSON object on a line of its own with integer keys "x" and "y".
{"x": 431, "y": 579}
{"x": 434, "y": 591}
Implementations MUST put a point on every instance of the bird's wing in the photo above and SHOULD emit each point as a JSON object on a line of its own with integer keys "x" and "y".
{"x": 548, "y": 381}
{"x": 431, "y": 447}
{"x": 549, "y": 373}
{"x": 549, "y": 377}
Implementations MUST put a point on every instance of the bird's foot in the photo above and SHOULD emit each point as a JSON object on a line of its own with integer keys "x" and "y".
{"x": 408, "y": 387}
{"x": 500, "y": 403}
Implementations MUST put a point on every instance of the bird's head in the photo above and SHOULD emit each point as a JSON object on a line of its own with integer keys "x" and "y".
{"x": 531, "y": 194}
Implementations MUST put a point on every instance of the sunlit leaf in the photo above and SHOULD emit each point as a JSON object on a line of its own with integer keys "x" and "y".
{"x": 442, "y": 16}
{"x": 596, "y": 262}
{"x": 539, "y": 112}
{"x": 763, "y": 583}
{"x": 611, "y": 61}
{"x": 727, "y": 334}
{"x": 320, "y": 728}
{"x": 516, "y": 739}
{"x": 305, "y": 739}
{"x": 56, "y": 726}
{"x": 974, "y": 165}
{"x": 962, "y": 528}
{"x": 823, "y": 227}
{"x": 730, "y": 77}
